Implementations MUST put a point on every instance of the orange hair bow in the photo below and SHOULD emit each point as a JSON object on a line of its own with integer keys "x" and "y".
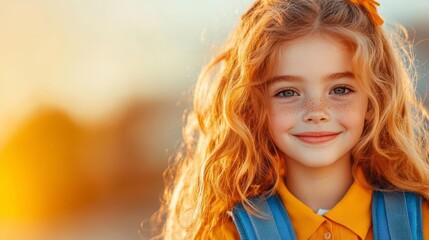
{"x": 370, "y": 6}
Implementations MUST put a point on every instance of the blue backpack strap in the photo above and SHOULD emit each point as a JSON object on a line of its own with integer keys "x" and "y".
{"x": 414, "y": 206}
{"x": 281, "y": 218}
{"x": 379, "y": 219}
{"x": 274, "y": 223}
{"x": 397, "y": 216}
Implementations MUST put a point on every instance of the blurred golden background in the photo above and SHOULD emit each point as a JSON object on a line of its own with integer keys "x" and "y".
{"x": 91, "y": 101}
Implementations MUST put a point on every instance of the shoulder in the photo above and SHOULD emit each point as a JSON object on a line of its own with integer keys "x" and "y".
{"x": 226, "y": 230}
{"x": 425, "y": 214}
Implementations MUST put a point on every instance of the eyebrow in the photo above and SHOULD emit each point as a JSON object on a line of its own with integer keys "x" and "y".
{"x": 293, "y": 78}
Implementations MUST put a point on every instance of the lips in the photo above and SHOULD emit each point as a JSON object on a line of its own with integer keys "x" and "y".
{"x": 316, "y": 137}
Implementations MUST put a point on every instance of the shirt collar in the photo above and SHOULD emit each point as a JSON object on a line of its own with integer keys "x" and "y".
{"x": 356, "y": 204}
{"x": 304, "y": 220}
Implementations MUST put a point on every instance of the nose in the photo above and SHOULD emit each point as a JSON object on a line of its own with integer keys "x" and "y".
{"x": 316, "y": 111}
{"x": 316, "y": 117}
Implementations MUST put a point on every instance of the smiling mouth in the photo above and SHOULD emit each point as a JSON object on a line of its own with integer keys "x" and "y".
{"x": 316, "y": 137}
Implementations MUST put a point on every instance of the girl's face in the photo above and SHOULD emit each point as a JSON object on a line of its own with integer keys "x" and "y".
{"x": 317, "y": 108}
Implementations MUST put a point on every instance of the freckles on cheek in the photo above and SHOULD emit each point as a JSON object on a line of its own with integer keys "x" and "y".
{"x": 284, "y": 114}
{"x": 288, "y": 109}
{"x": 349, "y": 111}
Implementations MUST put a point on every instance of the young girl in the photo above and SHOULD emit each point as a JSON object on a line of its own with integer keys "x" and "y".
{"x": 309, "y": 101}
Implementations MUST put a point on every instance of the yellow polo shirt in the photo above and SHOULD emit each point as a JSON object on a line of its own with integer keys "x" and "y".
{"x": 349, "y": 219}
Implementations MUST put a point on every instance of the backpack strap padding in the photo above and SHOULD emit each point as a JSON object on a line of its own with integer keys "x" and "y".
{"x": 274, "y": 224}
{"x": 242, "y": 222}
{"x": 256, "y": 227}
{"x": 414, "y": 207}
{"x": 264, "y": 226}
{"x": 379, "y": 221}
{"x": 397, "y": 215}
{"x": 284, "y": 225}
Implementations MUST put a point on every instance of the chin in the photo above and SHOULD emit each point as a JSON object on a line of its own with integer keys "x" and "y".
{"x": 319, "y": 164}
{"x": 316, "y": 162}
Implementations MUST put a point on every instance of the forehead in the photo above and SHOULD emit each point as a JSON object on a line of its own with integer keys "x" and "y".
{"x": 313, "y": 55}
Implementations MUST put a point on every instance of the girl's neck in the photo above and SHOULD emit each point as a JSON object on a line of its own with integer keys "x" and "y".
{"x": 319, "y": 188}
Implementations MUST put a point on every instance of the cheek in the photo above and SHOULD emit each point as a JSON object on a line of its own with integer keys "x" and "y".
{"x": 286, "y": 109}
{"x": 342, "y": 111}
{"x": 350, "y": 113}
{"x": 282, "y": 115}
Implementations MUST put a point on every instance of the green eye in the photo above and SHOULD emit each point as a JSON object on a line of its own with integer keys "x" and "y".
{"x": 340, "y": 90}
{"x": 287, "y": 93}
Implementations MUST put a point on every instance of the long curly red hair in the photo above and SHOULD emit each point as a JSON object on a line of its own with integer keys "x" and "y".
{"x": 228, "y": 153}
